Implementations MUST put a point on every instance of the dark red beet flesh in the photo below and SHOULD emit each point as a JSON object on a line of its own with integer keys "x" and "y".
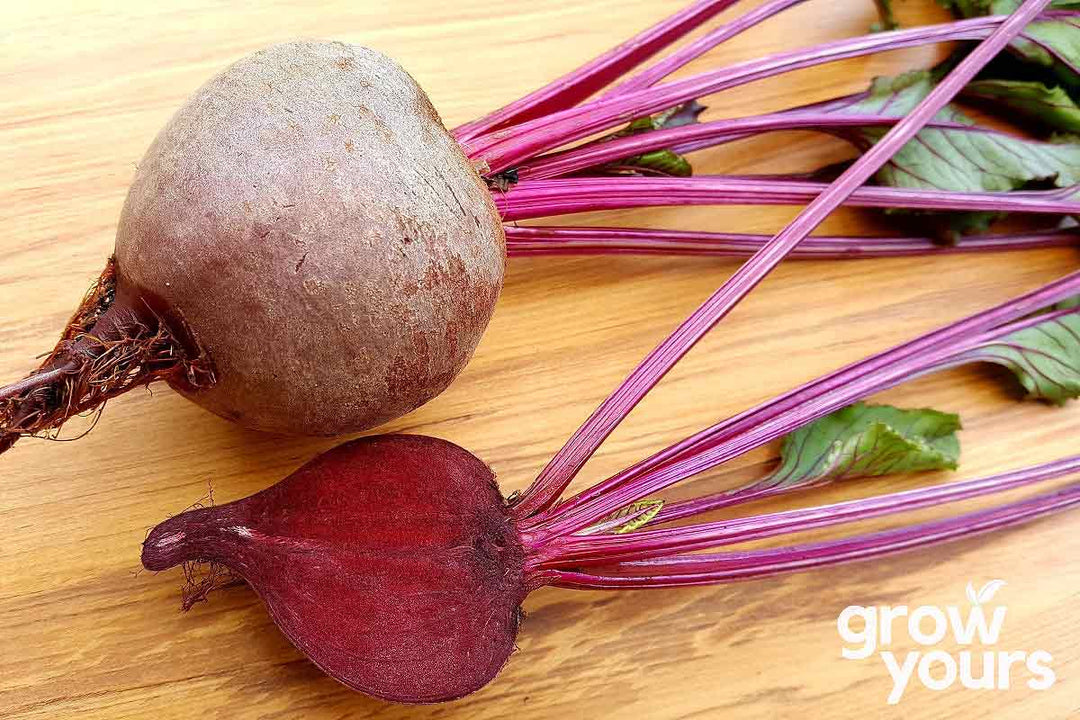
{"x": 392, "y": 562}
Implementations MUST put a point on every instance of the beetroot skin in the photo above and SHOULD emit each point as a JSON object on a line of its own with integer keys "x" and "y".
{"x": 392, "y": 562}
{"x": 323, "y": 237}
{"x": 304, "y": 249}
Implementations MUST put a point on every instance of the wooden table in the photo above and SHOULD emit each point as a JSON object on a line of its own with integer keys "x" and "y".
{"x": 85, "y": 87}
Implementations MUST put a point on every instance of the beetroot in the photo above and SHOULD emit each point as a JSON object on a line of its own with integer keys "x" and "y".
{"x": 304, "y": 249}
{"x": 407, "y": 534}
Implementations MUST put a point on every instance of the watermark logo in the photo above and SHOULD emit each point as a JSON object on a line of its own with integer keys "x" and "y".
{"x": 976, "y": 628}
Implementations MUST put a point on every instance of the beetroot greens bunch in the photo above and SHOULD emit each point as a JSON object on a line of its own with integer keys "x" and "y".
{"x": 306, "y": 249}
{"x": 397, "y": 566}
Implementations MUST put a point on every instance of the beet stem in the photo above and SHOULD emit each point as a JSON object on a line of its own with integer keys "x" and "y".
{"x": 582, "y": 82}
{"x": 984, "y": 322}
{"x": 709, "y": 134}
{"x": 532, "y": 199}
{"x": 707, "y": 569}
{"x": 515, "y": 145}
{"x": 648, "y": 543}
{"x": 561, "y": 470}
{"x": 963, "y": 354}
{"x": 679, "y": 59}
{"x": 773, "y": 420}
{"x": 544, "y": 240}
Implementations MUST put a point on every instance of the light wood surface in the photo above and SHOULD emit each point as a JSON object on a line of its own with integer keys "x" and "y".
{"x": 84, "y": 86}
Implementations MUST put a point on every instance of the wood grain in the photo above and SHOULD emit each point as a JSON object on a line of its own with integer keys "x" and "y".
{"x": 84, "y": 86}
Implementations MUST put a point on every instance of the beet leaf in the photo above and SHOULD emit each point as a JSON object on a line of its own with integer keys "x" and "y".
{"x": 867, "y": 441}
{"x": 1051, "y": 44}
{"x": 661, "y": 161}
{"x": 856, "y": 441}
{"x": 1045, "y": 358}
{"x": 630, "y": 518}
{"x": 1050, "y": 105}
{"x": 886, "y": 18}
{"x": 962, "y": 159}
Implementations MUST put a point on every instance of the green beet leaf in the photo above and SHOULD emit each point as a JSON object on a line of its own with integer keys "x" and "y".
{"x": 628, "y": 519}
{"x": 886, "y": 18}
{"x": 962, "y": 159}
{"x": 1050, "y": 105}
{"x": 1052, "y": 44}
{"x": 866, "y": 441}
{"x": 969, "y": 159}
{"x": 662, "y": 162}
{"x": 1045, "y": 358}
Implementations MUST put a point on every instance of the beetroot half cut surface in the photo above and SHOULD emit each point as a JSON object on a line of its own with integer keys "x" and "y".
{"x": 391, "y": 562}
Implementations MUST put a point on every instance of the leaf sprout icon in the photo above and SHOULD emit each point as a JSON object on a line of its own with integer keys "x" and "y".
{"x": 986, "y": 592}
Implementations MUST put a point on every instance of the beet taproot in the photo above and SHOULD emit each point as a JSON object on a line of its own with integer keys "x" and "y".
{"x": 391, "y": 562}
{"x": 304, "y": 249}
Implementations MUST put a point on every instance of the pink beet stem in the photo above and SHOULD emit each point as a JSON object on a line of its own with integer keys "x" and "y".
{"x": 562, "y": 469}
{"x": 770, "y": 486}
{"x": 515, "y": 145}
{"x": 648, "y": 543}
{"x": 532, "y": 199}
{"x": 921, "y": 355}
{"x": 708, "y": 134}
{"x": 579, "y": 84}
{"x": 771, "y": 421}
{"x": 727, "y": 567}
{"x": 684, "y": 56}
{"x": 543, "y": 240}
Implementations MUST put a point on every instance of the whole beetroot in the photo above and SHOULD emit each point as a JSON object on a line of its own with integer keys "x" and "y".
{"x": 304, "y": 249}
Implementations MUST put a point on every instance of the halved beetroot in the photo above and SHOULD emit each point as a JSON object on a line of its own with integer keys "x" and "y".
{"x": 391, "y": 562}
